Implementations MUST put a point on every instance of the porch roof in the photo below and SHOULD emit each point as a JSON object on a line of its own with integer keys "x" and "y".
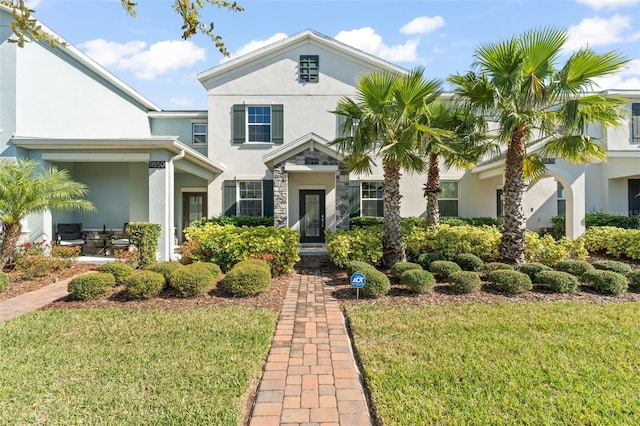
{"x": 309, "y": 141}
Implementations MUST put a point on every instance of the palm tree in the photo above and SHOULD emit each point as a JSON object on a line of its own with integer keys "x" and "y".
{"x": 463, "y": 145}
{"x": 519, "y": 85}
{"x": 26, "y": 189}
{"x": 381, "y": 122}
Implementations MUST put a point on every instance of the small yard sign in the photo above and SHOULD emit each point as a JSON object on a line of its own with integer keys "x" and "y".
{"x": 358, "y": 280}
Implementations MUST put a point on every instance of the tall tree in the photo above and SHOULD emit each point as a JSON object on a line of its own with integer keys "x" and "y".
{"x": 519, "y": 85}
{"x": 25, "y": 27}
{"x": 26, "y": 188}
{"x": 381, "y": 122}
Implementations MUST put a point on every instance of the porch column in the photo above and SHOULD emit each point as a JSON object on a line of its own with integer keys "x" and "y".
{"x": 159, "y": 199}
{"x": 280, "y": 196}
{"x": 342, "y": 197}
{"x": 575, "y": 225}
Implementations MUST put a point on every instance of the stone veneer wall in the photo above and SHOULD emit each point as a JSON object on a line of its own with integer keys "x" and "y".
{"x": 280, "y": 196}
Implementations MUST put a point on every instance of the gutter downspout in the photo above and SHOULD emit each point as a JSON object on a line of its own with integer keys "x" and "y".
{"x": 171, "y": 204}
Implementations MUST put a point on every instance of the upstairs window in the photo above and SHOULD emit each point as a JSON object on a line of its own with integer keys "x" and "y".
{"x": 258, "y": 124}
{"x": 199, "y": 133}
{"x": 371, "y": 202}
{"x": 309, "y": 68}
{"x": 448, "y": 199}
{"x": 635, "y": 122}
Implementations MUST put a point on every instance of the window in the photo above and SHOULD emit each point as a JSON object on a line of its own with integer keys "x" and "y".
{"x": 635, "y": 122}
{"x": 448, "y": 199}
{"x": 309, "y": 68}
{"x": 371, "y": 201}
{"x": 561, "y": 196}
{"x": 259, "y": 123}
{"x": 199, "y": 133}
{"x": 250, "y": 198}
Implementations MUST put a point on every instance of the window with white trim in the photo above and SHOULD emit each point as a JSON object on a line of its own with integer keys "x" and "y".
{"x": 561, "y": 196}
{"x": 259, "y": 124}
{"x": 250, "y": 198}
{"x": 199, "y": 133}
{"x": 371, "y": 199}
{"x": 448, "y": 199}
{"x": 635, "y": 122}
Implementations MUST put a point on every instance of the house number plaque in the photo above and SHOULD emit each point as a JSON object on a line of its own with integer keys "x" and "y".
{"x": 157, "y": 164}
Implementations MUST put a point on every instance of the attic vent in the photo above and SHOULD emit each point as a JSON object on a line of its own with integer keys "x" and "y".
{"x": 309, "y": 68}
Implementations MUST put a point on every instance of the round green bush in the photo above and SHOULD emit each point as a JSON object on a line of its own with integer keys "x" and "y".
{"x": 497, "y": 266}
{"x": 208, "y": 267}
{"x": 377, "y": 284}
{"x": 443, "y": 268}
{"x": 91, "y": 286}
{"x": 144, "y": 284}
{"x": 509, "y": 281}
{"x": 191, "y": 281}
{"x": 4, "y": 282}
{"x": 247, "y": 279}
{"x": 532, "y": 269}
{"x": 418, "y": 280}
{"x": 633, "y": 278}
{"x": 357, "y": 266}
{"x": 574, "y": 267}
{"x": 606, "y": 282}
{"x": 469, "y": 262}
{"x": 255, "y": 263}
{"x": 425, "y": 259}
{"x": 400, "y": 268}
{"x": 612, "y": 265}
{"x": 119, "y": 270}
{"x": 463, "y": 282}
{"x": 164, "y": 268}
{"x": 558, "y": 281}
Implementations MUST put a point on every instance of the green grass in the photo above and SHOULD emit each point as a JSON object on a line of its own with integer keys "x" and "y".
{"x": 125, "y": 367}
{"x": 502, "y": 364}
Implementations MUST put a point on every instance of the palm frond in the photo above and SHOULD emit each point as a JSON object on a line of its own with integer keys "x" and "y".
{"x": 578, "y": 149}
{"x": 534, "y": 168}
{"x": 583, "y": 67}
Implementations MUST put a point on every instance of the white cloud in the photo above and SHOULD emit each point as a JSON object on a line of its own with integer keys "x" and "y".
{"x": 627, "y": 79}
{"x": 423, "y": 25}
{"x": 254, "y": 45}
{"x": 598, "y": 32}
{"x": 367, "y": 40}
{"x": 145, "y": 64}
{"x": 608, "y": 4}
{"x": 33, "y": 4}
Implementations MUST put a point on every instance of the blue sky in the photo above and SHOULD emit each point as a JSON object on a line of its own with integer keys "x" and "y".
{"x": 148, "y": 54}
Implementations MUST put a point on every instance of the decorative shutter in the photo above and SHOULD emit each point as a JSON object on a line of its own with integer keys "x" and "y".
{"x": 267, "y": 198}
{"x": 635, "y": 121}
{"x": 229, "y": 198}
{"x": 354, "y": 198}
{"x": 239, "y": 124}
{"x": 277, "y": 123}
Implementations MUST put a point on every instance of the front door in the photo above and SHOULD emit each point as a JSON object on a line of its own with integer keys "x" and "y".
{"x": 312, "y": 216}
{"x": 634, "y": 197}
{"x": 194, "y": 207}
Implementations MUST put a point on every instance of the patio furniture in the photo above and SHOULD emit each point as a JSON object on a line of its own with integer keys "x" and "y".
{"x": 70, "y": 234}
{"x": 120, "y": 240}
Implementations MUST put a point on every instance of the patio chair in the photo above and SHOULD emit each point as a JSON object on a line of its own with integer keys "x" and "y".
{"x": 120, "y": 240}
{"x": 70, "y": 234}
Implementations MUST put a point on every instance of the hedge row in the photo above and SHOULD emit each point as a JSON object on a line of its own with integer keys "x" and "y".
{"x": 596, "y": 219}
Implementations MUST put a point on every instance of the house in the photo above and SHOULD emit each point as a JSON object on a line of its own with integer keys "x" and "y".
{"x": 260, "y": 148}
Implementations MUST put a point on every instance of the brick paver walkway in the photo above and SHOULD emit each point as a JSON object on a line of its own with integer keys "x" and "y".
{"x": 310, "y": 377}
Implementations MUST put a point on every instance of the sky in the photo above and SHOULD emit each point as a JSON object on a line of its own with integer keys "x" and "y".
{"x": 148, "y": 54}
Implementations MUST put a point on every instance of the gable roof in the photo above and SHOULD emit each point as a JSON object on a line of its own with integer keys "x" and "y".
{"x": 306, "y": 36}
{"x": 310, "y": 140}
{"x": 85, "y": 61}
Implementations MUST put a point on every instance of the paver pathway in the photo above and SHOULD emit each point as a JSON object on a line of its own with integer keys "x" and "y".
{"x": 33, "y": 300}
{"x": 310, "y": 377}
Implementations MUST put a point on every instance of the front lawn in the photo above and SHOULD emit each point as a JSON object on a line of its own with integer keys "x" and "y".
{"x": 501, "y": 364}
{"x": 124, "y": 367}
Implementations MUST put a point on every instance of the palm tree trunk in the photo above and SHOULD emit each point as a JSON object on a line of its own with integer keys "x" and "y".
{"x": 432, "y": 191}
{"x": 10, "y": 237}
{"x": 392, "y": 243}
{"x": 512, "y": 246}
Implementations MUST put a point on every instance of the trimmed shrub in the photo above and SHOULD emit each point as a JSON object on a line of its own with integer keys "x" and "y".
{"x": 144, "y": 284}
{"x": 463, "y": 282}
{"x": 606, "y": 282}
{"x": 443, "y": 268}
{"x": 418, "y": 280}
{"x": 469, "y": 262}
{"x": 4, "y": 282}
{"x": 91, "y": 286}
{"x": 401, "y": 267}
{"x": 574, "y": 267}
{"x": 357, "y": 266}
{"x": 612, "y": 265}
{"x": 377, "y": 284}
{"x": 633, "y": 278}
{"x": 191, "y": 280}
{"x": 208, "y": 267}
{"x": 483, "y": 241}
{"x": 425, "y": 259}
{"x": 509, "y": 281}
{"x": 549, "y": 251}
{"x": 164, "y": 268}
{"x": 363, "y": 244}
{"x": 497, "y": 266}
{"x": 613, "y": 241}
{"x": 119, "y": 270}
{"x": 532, "y": 269}
{"x": 247, "y": 278}
{"x": 145, "y": 237}
{"x": 597, "y": 219}
{"x": 558, "y": 281}
{"x": 249, "y": 221}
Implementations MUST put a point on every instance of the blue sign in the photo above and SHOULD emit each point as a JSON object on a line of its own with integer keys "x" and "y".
{"x": 358, "y": 280}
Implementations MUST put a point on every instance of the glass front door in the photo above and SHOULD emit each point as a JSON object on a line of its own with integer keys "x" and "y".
{"x": 312, "y": 216}
{"x": 194, "y": 207}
